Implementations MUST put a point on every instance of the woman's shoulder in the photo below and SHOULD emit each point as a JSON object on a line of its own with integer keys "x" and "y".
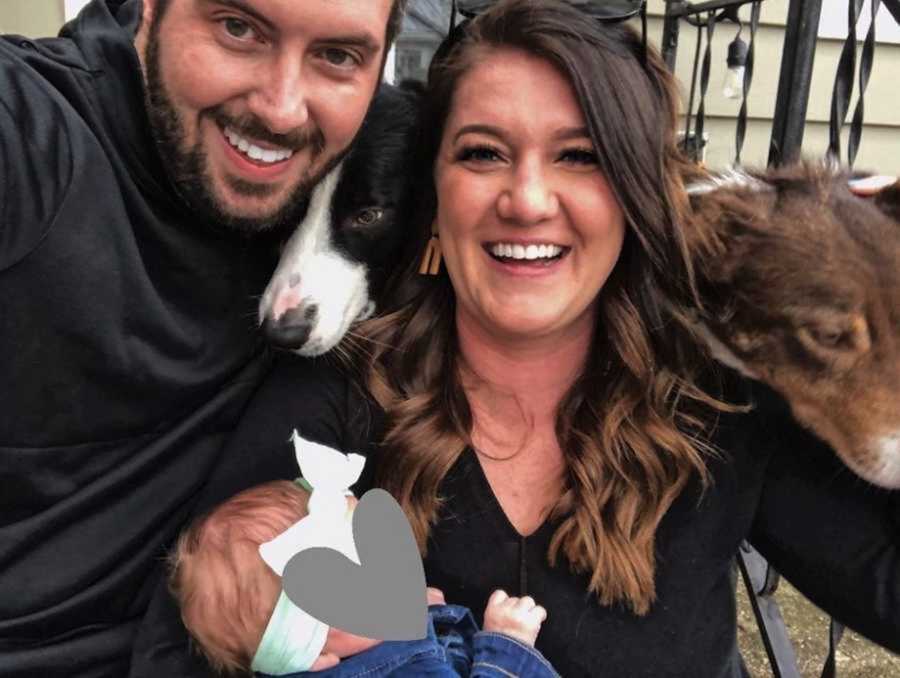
{"x": 316, "y": 396}
{"x": 293, "y": 376}
{"x": 754, "y": 426}
{"x": 762, "y": 439}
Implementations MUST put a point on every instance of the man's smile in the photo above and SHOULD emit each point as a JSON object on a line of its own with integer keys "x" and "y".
{"x": 255, "y": 160}
{"x": 256, "y": 150}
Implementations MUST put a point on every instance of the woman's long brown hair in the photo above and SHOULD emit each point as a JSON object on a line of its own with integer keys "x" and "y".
{"x": 629, "y": 427}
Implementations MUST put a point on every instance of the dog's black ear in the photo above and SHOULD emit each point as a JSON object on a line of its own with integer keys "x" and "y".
{"x": 888, "y": 201}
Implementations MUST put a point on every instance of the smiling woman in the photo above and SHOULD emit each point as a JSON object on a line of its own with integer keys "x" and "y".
{"x": 529, "y": 227}
{"x": 560, "y": 361}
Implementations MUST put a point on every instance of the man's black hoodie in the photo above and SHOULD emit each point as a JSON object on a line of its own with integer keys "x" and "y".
{"x": 128, "y": 348}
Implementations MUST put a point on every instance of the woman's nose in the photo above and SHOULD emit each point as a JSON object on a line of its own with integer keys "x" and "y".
{"x": 530, "y": 198}
{"x": 279, "y": 99}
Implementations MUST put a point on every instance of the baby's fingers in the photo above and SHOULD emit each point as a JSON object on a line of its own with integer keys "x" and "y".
{"x": 538, "y": 613}
{"x": 497, "y": 597}
{"x": 525, "y": 604}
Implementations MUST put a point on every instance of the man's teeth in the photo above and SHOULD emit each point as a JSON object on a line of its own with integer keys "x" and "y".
{"x": 513, "y": 251}
{"x": 255, "y": 152}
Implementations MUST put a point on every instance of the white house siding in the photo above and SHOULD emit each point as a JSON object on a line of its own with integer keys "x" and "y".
{"x": 880, "y": 146}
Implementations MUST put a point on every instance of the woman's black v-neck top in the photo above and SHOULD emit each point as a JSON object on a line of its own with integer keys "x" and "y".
{"x": 833, "y": 536}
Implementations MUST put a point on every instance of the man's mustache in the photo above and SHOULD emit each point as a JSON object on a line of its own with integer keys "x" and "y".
{"x": 251, "y": 126}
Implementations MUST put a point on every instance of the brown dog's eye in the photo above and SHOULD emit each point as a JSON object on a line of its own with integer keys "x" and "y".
{"x": 838, "y": 342}
{"x": 827, "y": 337}
{"x": 368, "y": 216}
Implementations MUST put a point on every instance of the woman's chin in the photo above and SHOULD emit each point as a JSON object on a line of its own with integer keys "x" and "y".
{"x": 524, "y": 328}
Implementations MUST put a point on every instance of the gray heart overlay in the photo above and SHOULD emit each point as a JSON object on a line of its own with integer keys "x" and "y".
{"x": 384, "y": 597}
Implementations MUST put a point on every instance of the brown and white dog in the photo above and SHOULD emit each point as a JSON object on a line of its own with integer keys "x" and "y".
{"x": 800, "y": 281}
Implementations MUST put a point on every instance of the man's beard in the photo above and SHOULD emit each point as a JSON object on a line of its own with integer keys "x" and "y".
{"x": 188, "y": 168}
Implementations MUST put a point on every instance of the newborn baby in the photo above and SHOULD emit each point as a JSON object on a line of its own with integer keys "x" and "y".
{"x": 230, "y": 599}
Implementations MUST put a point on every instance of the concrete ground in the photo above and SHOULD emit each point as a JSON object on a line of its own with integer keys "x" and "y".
{"x": 808, "y": 627}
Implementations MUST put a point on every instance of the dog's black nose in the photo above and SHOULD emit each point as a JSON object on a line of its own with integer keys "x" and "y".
{"x": 292, "y": 329}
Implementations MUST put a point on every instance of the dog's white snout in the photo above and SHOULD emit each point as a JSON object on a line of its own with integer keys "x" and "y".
{"x": 286, "y": 298}
{"x": 887, "y": 450}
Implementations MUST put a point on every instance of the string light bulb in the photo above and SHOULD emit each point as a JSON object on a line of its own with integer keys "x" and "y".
{"x": 733, "y": 87}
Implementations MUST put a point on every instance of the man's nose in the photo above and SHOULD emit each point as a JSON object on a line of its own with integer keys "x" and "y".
{"x": 279, "y": 98}
{"x": 530, "y": 197}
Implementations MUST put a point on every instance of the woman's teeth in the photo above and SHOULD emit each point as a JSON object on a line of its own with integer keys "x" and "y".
{"x": 265, "y": 155}
{"x": 525, "y": 252}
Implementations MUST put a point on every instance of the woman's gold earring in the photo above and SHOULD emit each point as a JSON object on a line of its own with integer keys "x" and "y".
{"x": 431, "y": 260}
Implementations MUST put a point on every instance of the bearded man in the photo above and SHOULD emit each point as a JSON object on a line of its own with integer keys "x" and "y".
{"x": 150, "y": 157}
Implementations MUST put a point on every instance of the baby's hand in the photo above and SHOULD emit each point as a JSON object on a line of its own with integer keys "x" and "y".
{"x": 520, "y": 618}
{"x": 434, "y": 596}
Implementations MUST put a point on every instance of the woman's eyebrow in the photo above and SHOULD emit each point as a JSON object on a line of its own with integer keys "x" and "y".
{"x": 564, "y": 134}
{"x": 571, "y": 133}
{"x": 478, "y": 129}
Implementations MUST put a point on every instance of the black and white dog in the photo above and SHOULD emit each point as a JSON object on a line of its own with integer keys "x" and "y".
{"x": 333, "y": 265}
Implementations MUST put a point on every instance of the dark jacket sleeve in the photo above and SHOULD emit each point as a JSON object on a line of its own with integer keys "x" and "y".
{"x": 35, "y": 155}
{"x": 309, "y": 395}
{"x": 833, "y": 536}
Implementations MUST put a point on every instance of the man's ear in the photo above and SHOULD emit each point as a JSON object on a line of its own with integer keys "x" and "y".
{"x": 148, "y": 12}
{"x": 888, "y": 201}
{"x": 148, "y": 9}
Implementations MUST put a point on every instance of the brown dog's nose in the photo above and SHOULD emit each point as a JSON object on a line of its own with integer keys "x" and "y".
{"x": 292, "y": 329}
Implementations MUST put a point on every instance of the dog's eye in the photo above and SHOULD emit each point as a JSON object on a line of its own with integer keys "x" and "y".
{"x": 828, "y": 337}
{"x": 368, "y": 216}
{"x": 837, "y": 341}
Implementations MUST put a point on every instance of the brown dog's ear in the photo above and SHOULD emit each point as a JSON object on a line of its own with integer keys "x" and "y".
{"x": 725, "y": 224}
{"x": 888, "y": 201}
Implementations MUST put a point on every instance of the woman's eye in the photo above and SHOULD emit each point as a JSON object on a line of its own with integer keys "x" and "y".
{"x": 579, "y": 156}
{"x": 239, "y": 29}
{"x": 478, "y": 154}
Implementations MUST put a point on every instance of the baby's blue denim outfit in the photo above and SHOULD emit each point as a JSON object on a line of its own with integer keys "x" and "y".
{"x": 454, "y": 647}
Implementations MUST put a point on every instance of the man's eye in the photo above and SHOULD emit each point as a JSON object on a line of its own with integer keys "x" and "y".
{"x": 339, "y": 57}
{"x": 238, "y": 29}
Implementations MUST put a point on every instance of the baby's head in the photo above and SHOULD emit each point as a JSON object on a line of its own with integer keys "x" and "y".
{"x": 226, "y": 591}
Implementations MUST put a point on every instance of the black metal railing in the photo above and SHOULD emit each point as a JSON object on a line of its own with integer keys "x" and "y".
{"x": 703, "y": 17}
